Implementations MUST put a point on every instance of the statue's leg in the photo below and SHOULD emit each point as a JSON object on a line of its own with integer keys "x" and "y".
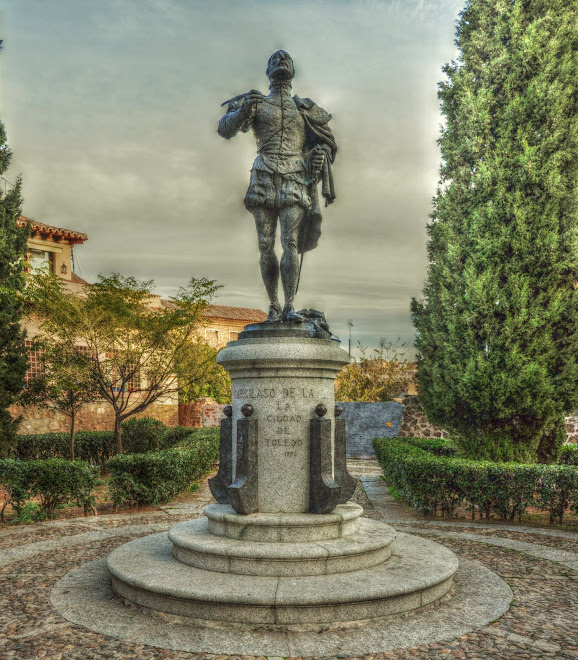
{"x": 266, "y": 222}
{"x": 291, "y": 218}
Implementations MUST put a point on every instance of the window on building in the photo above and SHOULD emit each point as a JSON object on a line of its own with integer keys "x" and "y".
{"x": 134, "y": 382}
{"x": 118, "y": 375}
{"x": 39, "y": 260}
{"x": 35, "y": 363}
{"x": 212, "y": 337}
{"x": 233, "y": 336}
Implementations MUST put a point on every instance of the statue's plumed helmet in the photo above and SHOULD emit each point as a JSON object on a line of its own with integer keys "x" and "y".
{"x": 274, "y": 61}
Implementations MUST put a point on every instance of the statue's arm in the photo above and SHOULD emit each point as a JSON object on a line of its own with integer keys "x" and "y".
{"x": 233, "y": 121}
{"x": 240, "y": 115}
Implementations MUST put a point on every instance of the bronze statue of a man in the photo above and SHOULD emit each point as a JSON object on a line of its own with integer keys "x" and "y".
{"x": 295, "y": 150}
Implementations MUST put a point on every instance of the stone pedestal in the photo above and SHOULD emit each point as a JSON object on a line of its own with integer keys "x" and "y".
{"x": 283, "y": 374}
{"x": 284, "y": 563}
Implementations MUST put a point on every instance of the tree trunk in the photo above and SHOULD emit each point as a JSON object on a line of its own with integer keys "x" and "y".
{"x": 72, "y": 431}
{"x": 117, "y": 435}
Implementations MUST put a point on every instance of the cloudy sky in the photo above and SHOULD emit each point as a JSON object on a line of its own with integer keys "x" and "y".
{"x": 111, "y": 108}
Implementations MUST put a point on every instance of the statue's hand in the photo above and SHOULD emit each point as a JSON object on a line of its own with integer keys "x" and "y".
{"x": 317, "y": 161}
{"x": 251, "y": 102}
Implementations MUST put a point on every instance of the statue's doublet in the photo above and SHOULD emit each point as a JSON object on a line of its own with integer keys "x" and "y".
{"x": 279, "y": 129}
{"x": 286, "y": 129}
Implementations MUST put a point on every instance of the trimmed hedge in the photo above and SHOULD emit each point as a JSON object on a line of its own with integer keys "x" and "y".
{"x": 94, "y": 447}
{"x": 437, "y": 446}
{"x": 157, "y": 477}
{"x": 136, "y": 479}
{"x": 139, "y": 435}
{"x": 432, "y": 483}
{"x": 55, "y": 481}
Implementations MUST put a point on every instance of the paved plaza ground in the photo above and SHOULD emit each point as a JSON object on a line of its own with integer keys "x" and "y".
{"x": 539, "y": 564}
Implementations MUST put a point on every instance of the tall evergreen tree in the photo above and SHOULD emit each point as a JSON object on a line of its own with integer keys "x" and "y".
{"x": 497, "y": 329}
{"x": 13, "y": 240}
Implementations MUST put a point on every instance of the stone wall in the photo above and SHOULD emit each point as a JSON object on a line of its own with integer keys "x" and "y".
{"x": 572, "y": 429}
{"x": 415, "y": 423}
{"x": 366, "y": 421}
{"x": 92, "y": 417}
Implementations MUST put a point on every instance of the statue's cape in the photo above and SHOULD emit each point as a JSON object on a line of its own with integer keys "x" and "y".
{"x": 318, "y": 134}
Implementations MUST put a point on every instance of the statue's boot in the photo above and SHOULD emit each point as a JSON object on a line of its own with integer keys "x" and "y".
{"x": 290, "y": 315}
{"x": 275, "y": 313}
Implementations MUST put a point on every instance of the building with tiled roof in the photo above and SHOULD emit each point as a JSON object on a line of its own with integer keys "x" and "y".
{"x": 52, "y": 248}
{"x": 223, "y": 323}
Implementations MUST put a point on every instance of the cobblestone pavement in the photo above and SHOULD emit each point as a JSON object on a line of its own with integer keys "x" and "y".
{"x": 541, "y": 623}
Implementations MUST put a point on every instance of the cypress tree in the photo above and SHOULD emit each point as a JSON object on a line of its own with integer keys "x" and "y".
{"x": 497, "y": 328}
{"x": 13, "y": 358}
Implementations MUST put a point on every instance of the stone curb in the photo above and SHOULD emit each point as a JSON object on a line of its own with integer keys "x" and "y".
{"x": 569, "y": 559}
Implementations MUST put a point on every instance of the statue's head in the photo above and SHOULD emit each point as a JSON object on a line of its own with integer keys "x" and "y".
{"x": 280, "y": 66}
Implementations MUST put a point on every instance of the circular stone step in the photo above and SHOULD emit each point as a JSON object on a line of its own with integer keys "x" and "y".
{"x": 194, "y": 545}
{"x": 283, "y": 527}
{"x": 145, "y": 573}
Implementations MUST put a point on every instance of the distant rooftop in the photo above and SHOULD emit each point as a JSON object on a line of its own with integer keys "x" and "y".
{"x": 77, "y": 279}
{"x": 234, "y": 313}
{"x": 48, "y": 231}
{"x": 227, "y": 313}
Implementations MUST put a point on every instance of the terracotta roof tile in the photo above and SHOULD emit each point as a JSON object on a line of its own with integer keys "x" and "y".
{"x": 234, "y": 313}
{"x": 77, "y": 279}
{"x": 43, "y": 228}
{"x": 225, "y": 312}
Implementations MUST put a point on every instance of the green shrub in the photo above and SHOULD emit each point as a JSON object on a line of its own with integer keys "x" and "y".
{"x": 15, "y": 484}
{"x": 157, "y": 477}
{"x": 143, "y": 434}
{"x": 433, "y": 483}
{"x": 94, "y": 447}
{"x": 55, "y": 481}
{"x": 569, "y": 455}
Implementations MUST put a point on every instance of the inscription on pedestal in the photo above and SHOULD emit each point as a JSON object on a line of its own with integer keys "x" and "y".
{"x": 279, "y": 429}
{"x": 284, "y": 413}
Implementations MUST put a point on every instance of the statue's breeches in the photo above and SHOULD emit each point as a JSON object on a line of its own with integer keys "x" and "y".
{"x": 274, "y": 191}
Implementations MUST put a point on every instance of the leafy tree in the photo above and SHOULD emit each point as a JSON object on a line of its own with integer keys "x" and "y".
{"x": 66, "y": 382}
{"x": 216, "y": 382}
{"x": 137, "y": 352}
{"x": 13, "y": 241}
{"x": 381, "y": 377}
{"x": 497, "y": 330}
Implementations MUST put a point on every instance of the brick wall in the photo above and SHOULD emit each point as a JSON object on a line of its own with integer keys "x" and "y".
{"x": 202, "y": 412}
{"x": 92, "y": 417}
{"x": 212, "y": 414}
